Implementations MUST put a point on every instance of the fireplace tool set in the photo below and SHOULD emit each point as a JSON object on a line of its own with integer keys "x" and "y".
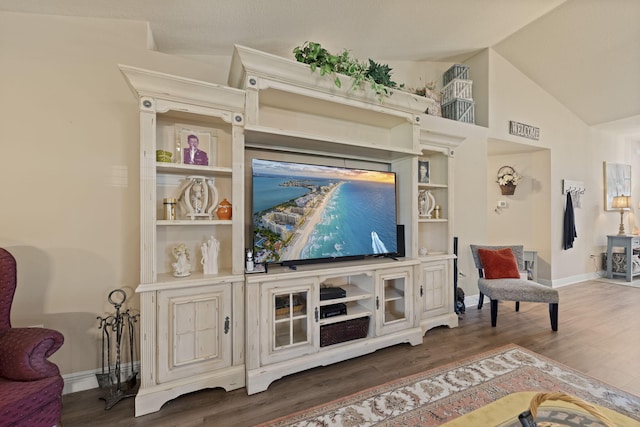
{"x": 118, "y": 330}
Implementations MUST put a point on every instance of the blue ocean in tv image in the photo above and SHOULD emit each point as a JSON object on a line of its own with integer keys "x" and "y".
{"x": 269, "y": 191}
{"x": 355, "y": 210}
{"x": 304, "y": 212}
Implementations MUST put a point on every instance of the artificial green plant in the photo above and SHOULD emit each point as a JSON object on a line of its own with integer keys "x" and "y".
{"x": 319, "y": 58}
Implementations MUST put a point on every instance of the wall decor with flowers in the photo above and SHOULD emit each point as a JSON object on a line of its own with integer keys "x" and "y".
{"x": 508, "y": 179}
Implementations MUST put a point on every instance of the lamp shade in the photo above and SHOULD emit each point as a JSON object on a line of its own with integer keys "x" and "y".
{"x": 621, "y": 202}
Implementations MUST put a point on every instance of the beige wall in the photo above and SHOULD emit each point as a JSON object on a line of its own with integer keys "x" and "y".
{"x": 479, "y": 74}
{"x": 70, "y": 169}
{"x": 567, "y": 149}
{"x": 614, "y": 148}
{"x": 471, "y": 207}
{"x": 70, "y": 157}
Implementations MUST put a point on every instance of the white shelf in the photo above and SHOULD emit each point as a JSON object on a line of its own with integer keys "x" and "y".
{"x": 167, "y": 281}
{"x": 355, "y": 312}
{"x": 283, "y": 341}
{"x": 432, "y": 220}
{"x": 392, "y": 294}
{"x": 391, "y": 317}
{"x": 286, "y": 318}
{"x": 436, "y": 255}
{"x": 422, "y": 185}
{"x": 440, "y": 134}
{"x": 304, "y": 142}
{"x": 179, "y": 168}
{"x": 191, "y": 222}
{"x": 354, "y": 293}
{"x": 296, "y": 78}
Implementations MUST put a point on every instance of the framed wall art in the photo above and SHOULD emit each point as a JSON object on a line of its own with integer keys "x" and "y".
{"x": 423, "y": 172}
{"x": 617, "y": 182}
{"x": 197, "y": 147}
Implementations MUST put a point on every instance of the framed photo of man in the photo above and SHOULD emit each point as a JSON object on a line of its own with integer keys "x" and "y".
{"x": 423, "y": 172}
{"x": 197, "y": 147}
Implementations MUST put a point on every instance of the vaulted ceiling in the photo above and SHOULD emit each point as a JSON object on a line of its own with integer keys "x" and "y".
{"x": 585, "y": 53}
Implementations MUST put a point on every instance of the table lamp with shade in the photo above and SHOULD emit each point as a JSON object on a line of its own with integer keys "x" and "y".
{"x": 622, "y": 203}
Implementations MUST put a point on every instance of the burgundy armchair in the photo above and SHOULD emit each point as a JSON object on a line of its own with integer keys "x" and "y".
{"x": 30, "y": 385}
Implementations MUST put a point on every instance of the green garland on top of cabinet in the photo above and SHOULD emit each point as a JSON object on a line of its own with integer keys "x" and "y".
{"x": 318, "y": 58}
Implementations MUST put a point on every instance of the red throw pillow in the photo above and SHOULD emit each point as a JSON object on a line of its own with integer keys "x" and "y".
{"x": 499, "y": 264}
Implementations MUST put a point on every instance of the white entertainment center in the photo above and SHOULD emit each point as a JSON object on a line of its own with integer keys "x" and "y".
{"x": 232, "y": 329}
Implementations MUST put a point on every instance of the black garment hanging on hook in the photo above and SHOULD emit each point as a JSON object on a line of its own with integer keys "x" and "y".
{"x": 569, "y": 234}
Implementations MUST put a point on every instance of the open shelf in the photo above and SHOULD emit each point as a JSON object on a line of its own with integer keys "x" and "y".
{"x": 179, "y": 168}
{"x": 354, "y": 312}
{"x": 326, "y": 145}
{"x": 354, "y": 293}
{"x": 194, "y": 222}
{"x": 392, "y": 294}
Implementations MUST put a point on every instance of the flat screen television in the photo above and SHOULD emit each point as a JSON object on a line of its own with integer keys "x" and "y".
{"x": 305, "y": 213}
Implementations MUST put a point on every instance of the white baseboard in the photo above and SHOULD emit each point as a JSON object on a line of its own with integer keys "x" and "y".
{"x": 558, "y": 283}
{"x": 80, "y": 381}
{"x": 472, "y": 300}
{"x": 86, "y": 380}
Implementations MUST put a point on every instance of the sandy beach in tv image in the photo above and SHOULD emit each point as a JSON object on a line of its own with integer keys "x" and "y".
{"x": 303, "y": 211}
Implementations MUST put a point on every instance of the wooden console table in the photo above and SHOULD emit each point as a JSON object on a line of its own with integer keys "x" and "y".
{"x": 628, "y": 243}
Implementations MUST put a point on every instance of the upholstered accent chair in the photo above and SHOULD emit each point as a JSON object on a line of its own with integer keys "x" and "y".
{"x": 30, "y": 385}
{"x": 507, "y": 285}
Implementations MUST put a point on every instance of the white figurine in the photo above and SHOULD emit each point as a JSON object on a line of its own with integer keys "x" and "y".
{"x": 432, "y": 203}
{"x": 426, "y": 203}
{"x": 198, "y": 197}
{"x": 422, "y": 203}
{"x": 209, "y": 259}
{"x": 182, "y": 266}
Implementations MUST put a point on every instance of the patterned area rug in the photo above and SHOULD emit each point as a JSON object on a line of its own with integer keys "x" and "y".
{"x": 439, "y": 395}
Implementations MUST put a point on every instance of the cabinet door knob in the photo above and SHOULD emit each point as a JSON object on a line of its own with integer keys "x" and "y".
{"x": 316, "y": 314}
{"x": 421, "y": 291}
{"x": 226, "y": 325}
{"x": 377, "y": 303}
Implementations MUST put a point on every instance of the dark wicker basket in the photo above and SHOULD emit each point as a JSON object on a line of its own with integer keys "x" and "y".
{"x": 344, "y": 331}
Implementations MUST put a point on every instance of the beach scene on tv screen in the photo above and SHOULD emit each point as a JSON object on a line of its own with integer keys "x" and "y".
{"x": 308, "y": 212}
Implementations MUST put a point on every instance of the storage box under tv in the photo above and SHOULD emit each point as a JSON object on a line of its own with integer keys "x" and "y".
{"x": 348, "y": 330}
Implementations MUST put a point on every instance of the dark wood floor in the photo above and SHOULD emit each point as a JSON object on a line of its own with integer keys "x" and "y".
{"x": 599, "y": 334}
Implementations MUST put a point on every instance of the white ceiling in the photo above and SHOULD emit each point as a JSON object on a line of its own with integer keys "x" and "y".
{"x": 586, "y": 53}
